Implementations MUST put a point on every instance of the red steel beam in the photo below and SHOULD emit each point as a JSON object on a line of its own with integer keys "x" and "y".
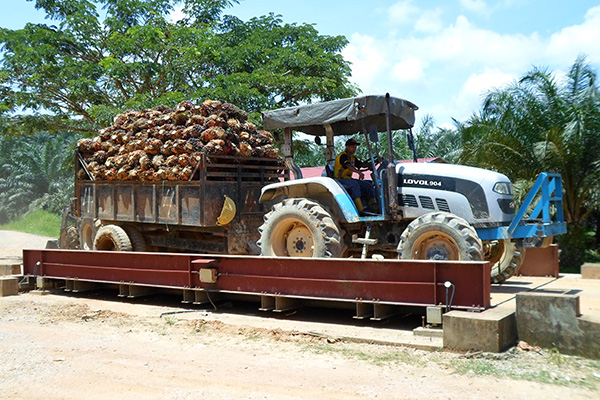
{"x": 388, "y": 281}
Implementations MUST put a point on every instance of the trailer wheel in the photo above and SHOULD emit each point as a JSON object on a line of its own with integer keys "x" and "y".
{"x": 440, "y": 236}
{"x": 506, "y": 259}
{"x": 112, "y": 238}
{"x": 138, "y": 243}
{"x": 87, "y": 233}
{"x": 300, "y": 228}
{"x": 69, "y": 239}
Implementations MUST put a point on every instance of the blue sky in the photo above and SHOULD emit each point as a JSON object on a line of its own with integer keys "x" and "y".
{"x": 443, "y": 55}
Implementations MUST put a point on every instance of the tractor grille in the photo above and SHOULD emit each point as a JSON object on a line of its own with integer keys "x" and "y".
{"x": 408, "y": 200}
{"x": 442, "y": 205}
{"x": 426, "y": 202}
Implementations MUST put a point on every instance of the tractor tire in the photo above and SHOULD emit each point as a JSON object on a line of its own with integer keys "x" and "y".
{"x": 300, "y": 228}
{"x": 69, "y": 239}
{"x": 138, "y": 243}
{"x": 87, "y": 233}
{"x": 112, "y": 238}
{"x": 506, "y": 259}
{"x": 440, "y": 236}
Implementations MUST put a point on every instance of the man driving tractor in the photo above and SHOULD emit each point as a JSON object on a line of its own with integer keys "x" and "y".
{"x": 360, "y": 190}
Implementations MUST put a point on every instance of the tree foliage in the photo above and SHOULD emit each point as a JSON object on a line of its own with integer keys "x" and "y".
{"x": 99, "y": 58}
{"x": 35, "y": 173}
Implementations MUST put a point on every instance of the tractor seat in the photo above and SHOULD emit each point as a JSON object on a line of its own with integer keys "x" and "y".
{"x": 328, "y": 171}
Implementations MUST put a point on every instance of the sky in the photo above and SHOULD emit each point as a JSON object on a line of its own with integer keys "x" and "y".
{"x": 443, "y": 55}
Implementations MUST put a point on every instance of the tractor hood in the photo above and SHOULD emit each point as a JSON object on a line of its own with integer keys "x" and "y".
{"x": 345, "y": 116}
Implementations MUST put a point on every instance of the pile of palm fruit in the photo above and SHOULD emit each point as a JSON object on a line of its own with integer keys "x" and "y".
{"x": 165, "y": 143}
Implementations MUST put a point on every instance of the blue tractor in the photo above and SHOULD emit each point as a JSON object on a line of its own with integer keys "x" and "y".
{"x": 425, "y": 210}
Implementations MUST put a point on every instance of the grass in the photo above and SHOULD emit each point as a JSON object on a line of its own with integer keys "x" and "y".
{"x": 546, "y": 367}
{"x": 36, "y": 222}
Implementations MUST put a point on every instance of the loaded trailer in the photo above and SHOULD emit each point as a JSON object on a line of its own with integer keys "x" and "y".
{"x": 216, "y": 212}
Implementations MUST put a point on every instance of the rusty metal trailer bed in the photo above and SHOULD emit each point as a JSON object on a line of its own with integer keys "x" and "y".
{"x": 372, "y": 286}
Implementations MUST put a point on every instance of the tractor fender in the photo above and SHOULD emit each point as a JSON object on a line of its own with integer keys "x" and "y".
{"x": 327, "y": 191}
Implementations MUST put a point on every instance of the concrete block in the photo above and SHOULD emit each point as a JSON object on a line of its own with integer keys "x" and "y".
{"x": 540, "y": 262}
{"x": 551, "y": 319}
{"x": 9, "y": 286}
{"x": 493, "y": 330}
{"x": 10, "y": 269}
{"x": 590, "y": 271}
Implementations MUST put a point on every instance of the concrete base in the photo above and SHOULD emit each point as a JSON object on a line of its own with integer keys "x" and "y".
{"x": 9, "y": 286}
{"x": 590, "y": 271}
{"x": 10, "y": 269}
{"x": 428, "y": 332}
{"x": 552, "y": 319}
{"x": 493, "y": 330}
{"x": 540, "y": 262}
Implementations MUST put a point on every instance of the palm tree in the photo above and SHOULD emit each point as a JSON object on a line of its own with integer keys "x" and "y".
{"x": 34, "y": 173}
{"x": 542, "y": 123}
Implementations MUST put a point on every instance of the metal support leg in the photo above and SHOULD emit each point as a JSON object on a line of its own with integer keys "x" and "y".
{"x": 363, "y": 310}
{"x": 366, "y": 242}
{"x": 267, "y": 303}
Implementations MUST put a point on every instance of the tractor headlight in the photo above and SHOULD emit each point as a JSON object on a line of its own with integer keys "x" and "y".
{"x": 502, "y": 188}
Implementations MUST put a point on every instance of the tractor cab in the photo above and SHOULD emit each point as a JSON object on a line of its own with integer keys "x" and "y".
{"x": 367, "y": 115}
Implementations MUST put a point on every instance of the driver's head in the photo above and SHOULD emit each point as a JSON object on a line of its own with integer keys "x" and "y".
{"x": 351, "y": 146}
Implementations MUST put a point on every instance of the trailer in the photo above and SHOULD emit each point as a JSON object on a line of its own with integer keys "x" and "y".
{"x": 217, "y": 212}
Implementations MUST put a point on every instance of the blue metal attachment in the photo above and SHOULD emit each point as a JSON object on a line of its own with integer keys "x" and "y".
{"x": 546, "y": 217}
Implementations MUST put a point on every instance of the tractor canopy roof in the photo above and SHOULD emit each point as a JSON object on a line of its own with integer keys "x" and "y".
{"x": 346, "y": 116}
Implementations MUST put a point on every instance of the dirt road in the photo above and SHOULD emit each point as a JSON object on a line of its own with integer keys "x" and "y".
{"x": 61, "y": 346}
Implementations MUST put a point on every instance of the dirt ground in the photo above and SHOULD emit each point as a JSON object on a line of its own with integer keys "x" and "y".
{"x": 95, "y": 346}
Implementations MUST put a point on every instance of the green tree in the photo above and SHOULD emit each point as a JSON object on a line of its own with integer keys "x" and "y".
{"x": 542, "y": 123}
{"x": 104, "y": 56}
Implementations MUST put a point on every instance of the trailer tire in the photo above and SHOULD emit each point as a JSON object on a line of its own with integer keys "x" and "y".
{"x": 138, "y": 243}
{"x": 112, "y": 238}
{"x": 300, "y": 228}
{"x": 440, "y": 236}
{"x": 87, "y": 233}
{"x": 69, "y": 239}
{"x": 506, "y": 260}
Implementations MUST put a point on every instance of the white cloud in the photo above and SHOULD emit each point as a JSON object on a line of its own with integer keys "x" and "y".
{"x": 430, "y": 21}
{"x": 476, "y": 6}
{"x": 569, "y": 42}
{"x": 410, "y": 69}
{"x": 368, "y": 60}
{"x": 402, "y": 12}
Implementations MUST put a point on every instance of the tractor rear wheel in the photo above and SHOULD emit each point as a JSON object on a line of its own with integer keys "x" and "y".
{"x": 112, "y": 238}
{"x": 440, "y": 236}
{"x": 506, "y": 258}
{"x": 300, "y": 228}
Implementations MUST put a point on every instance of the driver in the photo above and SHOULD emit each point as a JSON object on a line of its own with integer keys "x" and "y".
{"x": 345, "y": 165}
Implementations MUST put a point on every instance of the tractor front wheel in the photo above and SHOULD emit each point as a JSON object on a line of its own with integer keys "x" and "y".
{"x": 440, "y": 236}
